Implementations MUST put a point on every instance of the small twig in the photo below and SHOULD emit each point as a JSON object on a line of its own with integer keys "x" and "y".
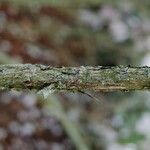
{"x": 91, "y": 96}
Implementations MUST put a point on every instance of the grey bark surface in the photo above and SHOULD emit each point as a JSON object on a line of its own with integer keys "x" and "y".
{"x": 38, "y": 77}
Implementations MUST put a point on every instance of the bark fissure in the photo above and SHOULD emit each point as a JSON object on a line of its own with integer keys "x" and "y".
{"x": 27, "y": 76}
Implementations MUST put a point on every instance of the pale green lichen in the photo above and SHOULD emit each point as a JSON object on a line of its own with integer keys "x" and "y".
{"x": 45, "y": 92}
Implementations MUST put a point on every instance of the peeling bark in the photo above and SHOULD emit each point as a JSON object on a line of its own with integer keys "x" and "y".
{"x": 38, "y": 77}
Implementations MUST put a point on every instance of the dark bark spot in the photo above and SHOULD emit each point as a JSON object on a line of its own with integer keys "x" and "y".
{"x": 1, "y": 70}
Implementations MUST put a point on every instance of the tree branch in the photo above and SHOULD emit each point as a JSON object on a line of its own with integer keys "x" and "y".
{"x": 38, "y": 77}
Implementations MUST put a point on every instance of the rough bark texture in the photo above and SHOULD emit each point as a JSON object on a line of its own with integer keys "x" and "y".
{"x": 27, "y": 76}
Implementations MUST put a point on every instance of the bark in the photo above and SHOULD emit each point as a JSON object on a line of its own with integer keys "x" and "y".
{"x": 38, "y": 77}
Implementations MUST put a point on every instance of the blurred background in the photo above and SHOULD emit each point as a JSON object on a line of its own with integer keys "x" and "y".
{"x": 75, "y": 33}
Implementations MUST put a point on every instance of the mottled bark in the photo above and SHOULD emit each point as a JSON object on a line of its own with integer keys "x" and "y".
{"x": 27, "y": 76}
